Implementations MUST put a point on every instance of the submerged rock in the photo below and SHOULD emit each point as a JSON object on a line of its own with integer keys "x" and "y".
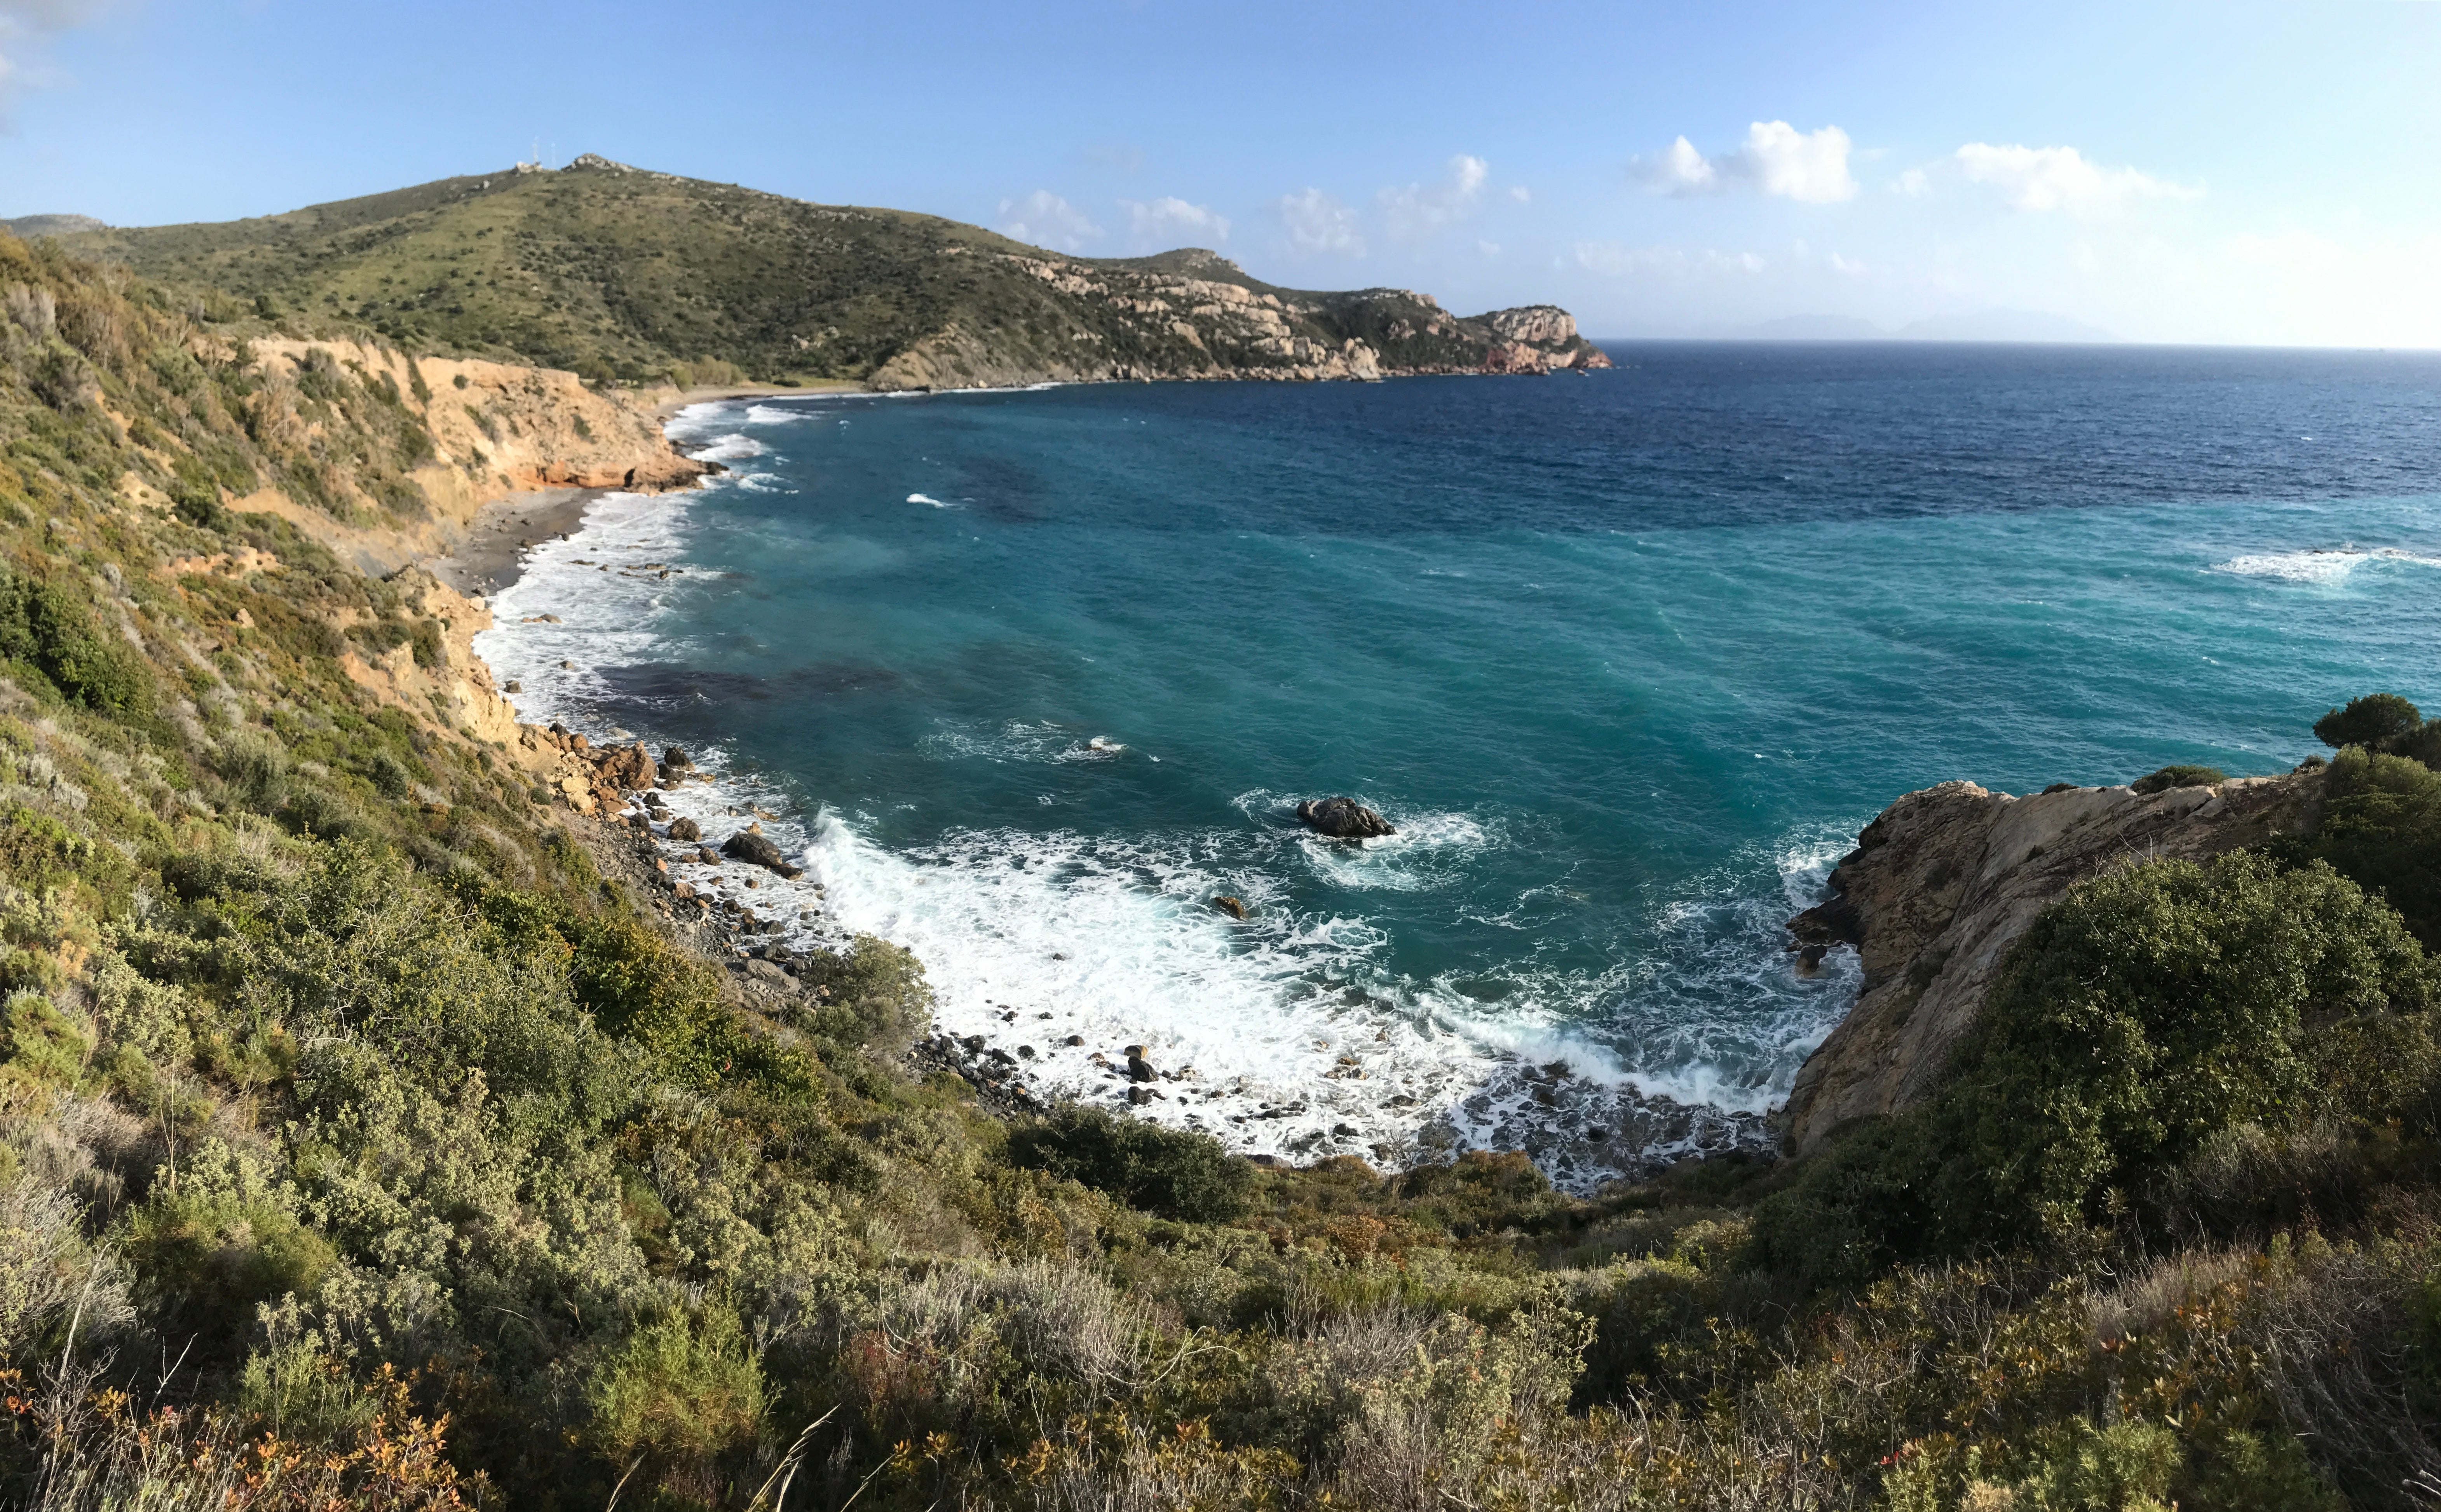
{"x": 1344, "y": 819}
{"x": 1233, "y": 907}
{"x": 756, "y": 849}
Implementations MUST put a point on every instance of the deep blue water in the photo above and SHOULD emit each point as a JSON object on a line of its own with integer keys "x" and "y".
{"x": 1629, "y": 657}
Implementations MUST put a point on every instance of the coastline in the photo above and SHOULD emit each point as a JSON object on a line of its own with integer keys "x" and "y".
{"x": 489, "y": 554}
{"x": 1581, "y": 1130}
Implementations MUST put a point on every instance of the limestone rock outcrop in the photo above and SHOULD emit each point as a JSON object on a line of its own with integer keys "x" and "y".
{"x": 1945, "y": 880}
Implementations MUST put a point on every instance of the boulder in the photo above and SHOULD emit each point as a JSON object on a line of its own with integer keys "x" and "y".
{"x": 677, "y": 760}
{"x": 756, "y": 849}
{"x": 685, "y": 829}
{"x": 1344, "y": 819}
{"x": 1233, "y": 907}
{"x": 1139, "y": 1069}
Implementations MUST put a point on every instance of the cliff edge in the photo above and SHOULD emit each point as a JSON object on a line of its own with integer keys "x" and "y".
{"x": 1944, "y": 882}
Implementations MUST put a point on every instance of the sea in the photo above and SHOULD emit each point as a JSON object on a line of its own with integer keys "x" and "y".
{"x": 1027, "y": 679}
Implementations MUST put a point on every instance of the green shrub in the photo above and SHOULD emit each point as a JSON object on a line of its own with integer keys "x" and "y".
{"x": 1173, "y": 1173}
{"x": 679, "y": 1395}
{"x": 2373, "y": 721}
{"x": 2147, "y": 1010}
{"x": 2381, "y": 827}
{"x": 44, "y": 626}
{"x": 2138, "y": 1018}
{"x": 874, "y": 994}
{"x": 2184, "y": 776}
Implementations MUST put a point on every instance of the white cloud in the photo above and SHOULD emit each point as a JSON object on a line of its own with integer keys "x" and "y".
{"x": 1170, "y": 222}
{"x": 1317, "y": 223}
{"x": 1616, "y": 259}
{"x": 1521, "y": 193}
{"x": 2061, "y": 179}
{"x": 1679, "y": 170}
{"x": 1044, "y": 219}
{"x": 26, "y": 27}
{"x": 1421, "y": 206}
{"x": 1915, "y": 184}
{"x": 1776, "y": 159}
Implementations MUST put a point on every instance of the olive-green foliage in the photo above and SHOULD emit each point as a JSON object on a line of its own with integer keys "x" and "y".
{"x": 44, "y": 625}
{"x": 2170, "y": 777}
{"x": 2375, "y": 722}
{"x": 2382, "y": 826}
{"x": 872, "y": 994}
{"x": 1176, "y": 1173}
{"x": 681, "y": 1392}
{"x": 2138, "y": 1016}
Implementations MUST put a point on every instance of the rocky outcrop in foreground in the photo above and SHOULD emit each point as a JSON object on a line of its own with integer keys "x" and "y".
{"x": 1945, "y": 880}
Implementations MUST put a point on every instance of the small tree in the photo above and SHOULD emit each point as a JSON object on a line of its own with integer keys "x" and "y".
{"x": 2375, "y": 721}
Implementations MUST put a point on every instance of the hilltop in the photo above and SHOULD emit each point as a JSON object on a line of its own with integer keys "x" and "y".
{"x": 615, "y": 272}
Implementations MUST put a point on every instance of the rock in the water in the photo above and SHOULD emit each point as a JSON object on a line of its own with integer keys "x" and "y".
{"x": 1233, "y": 907}
{"x": 685, "y": 829}
{"x": 676, "y": 758}
{"x": 1344, "y": 819}
{"x": 1139, "y": 1069}
{"x": 757, "y": 850}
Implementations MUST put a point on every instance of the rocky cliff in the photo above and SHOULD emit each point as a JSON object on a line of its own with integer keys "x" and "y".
{"x": 1944, "y": 882}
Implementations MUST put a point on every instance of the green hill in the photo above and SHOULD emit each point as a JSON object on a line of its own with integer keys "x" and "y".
{"x": 616, "y": 272}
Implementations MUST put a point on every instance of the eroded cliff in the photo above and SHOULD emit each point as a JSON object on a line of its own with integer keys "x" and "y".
{"x": 1945, "y": 880}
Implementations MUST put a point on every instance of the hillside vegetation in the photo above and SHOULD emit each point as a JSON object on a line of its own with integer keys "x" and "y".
{"x": 362, "y": 1145}
{"x": 614, "y": 272}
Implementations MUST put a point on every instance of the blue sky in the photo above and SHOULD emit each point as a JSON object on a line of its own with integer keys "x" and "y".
{"x": 2224, "y": 171}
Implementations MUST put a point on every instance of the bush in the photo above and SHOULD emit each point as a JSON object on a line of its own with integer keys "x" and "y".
{"x": 2381, "y": 827}
{"x": 677, "y": 1396}
{"x": 43, "y": 625}
{"x": 2169, "y": 777}
{"x": 2148, "y": 1010}
{"x": 873, "y": 996}
{"x": 2373, "y": 721}
{"x": 2140, "y": 1016}
{"x": 1171, "y": 1173}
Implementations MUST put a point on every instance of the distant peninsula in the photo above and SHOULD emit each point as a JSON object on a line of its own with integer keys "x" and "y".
{"x": 618, "y": 272}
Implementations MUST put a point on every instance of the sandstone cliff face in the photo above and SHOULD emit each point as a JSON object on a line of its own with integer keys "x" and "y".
{"x": 458, "y": 688}
{"x": 496, "y": 428}
{"x": 1947, "y": 879}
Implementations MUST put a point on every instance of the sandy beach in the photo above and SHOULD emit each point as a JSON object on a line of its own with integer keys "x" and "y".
{"x": 487, "y": 558}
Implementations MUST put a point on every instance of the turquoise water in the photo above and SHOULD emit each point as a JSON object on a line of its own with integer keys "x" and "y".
{"x": 1628, "y": 658}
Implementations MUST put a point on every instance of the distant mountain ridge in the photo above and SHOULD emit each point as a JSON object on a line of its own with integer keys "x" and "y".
{"x": 613, "y": 270}
{"x": 29, "y": 226}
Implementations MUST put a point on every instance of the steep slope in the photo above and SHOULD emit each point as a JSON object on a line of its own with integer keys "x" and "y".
{"x": 611, "y": 271}
{"x": 1945, "y": 880}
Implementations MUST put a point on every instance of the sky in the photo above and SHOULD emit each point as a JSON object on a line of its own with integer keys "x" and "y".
{"x": 2227, "y": 171}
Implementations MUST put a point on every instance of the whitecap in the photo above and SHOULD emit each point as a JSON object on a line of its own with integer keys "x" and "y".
{"x": 936, "y": 503}
{"x": 2326, "y": 564}
{"x": 735, "y": 447}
